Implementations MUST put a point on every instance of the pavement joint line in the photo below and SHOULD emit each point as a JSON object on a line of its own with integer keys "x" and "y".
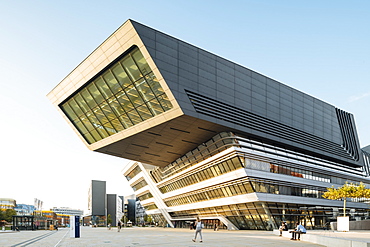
{"x": 62, "y": 238}
{"x": 32, "y": 240}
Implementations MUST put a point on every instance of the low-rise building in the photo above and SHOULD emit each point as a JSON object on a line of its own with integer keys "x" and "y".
{"x": 25, "y": 209}
{"x": 67, "y": 211}
{"x": 7, "y": 203}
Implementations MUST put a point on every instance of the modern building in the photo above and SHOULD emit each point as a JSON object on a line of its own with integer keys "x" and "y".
{"x": 209, "y": 137}
{"x": 97, "y": 202}
{"x": 131, "y": 209}
{"x": 7, "y": 203}
{"x": 67, "y": 211}
{"x": 24, "y": 209}
{"x": 115, "y": 208}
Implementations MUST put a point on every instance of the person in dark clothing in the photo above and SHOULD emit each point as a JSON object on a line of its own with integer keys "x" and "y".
{"x": 192, "y": 225}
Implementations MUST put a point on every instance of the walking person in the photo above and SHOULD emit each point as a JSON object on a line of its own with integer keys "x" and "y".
{"x": 198, "y": 229}
{"x": 119, "y": 226}
{"x": 192, "y": 225}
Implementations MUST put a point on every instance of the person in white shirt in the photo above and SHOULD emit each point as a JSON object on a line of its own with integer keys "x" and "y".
{"x": 198, "y": 229}
{"x": 282, "y": 228}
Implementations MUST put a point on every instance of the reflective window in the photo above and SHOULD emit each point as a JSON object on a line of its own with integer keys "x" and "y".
{"x": 139, "y": 185}
{"x": 124, "y": 94}
{"x": 133, "y": 173}
{"x": 213, "y": 171}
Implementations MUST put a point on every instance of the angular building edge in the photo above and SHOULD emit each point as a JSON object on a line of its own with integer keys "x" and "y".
{"x": 235, "y": 147}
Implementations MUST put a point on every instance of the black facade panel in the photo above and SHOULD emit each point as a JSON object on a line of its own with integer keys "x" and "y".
{"x": 112, "y": 207}
{"x": 98, "y": 197}
{"x": 308, "y": 116}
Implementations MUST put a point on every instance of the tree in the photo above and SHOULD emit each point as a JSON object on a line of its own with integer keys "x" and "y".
{"x": 7, "y": 215}
{"x": 348, "y": 190}
{"x": 109, "y": 220}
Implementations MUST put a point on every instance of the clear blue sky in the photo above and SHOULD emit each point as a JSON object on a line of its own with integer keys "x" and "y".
{"x": 319, "y": 47}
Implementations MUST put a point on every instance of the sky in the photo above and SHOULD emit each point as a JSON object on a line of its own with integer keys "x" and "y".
{"x": 319, "y": 47}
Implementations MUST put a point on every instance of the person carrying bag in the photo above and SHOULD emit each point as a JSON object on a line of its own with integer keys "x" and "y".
{"x": 198, "y": 229}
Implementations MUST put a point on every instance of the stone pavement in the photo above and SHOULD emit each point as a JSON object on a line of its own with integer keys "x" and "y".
{"x": 155, "y": 236}
{"x": 354, "y": 238}
{"x": 147, "y": 236}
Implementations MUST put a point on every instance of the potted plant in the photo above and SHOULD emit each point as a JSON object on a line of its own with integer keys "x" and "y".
{"x": 348, "y": 190}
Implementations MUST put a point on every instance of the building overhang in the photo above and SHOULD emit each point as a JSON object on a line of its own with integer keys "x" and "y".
{"x": 160, "y": 144}
{"x": 208, "y": 95}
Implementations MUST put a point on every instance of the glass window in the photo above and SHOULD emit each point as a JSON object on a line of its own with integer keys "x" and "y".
{"x": 228, "y": 191}
{"x": 214, "y": 171}
{"x": 208, "y": 173}
{"x": 111, "y": 81}
{"x": 103, "y": 133}
{"x": 166, "y": 104}
{"x": 124, "y": 101}
{"x": 222, "y": 168}
{"x": 75, "y": 107}
{"x": 117, "y": 108}
{"x": 226, "y": 166}
{"x": 217, "y": 169}
{"x": 121, "y": 75}
{"x": 100, "y": 115}
{"x": 68, "y": 110}
{"x": 144, "y": 112}
{"x": 89, "y": 138}
{"x": 232, "y": 190}
{"x": 103, "y": 88}
{"x": 88, "y": 98}
{"x": 95, "y": 93}
{"x": 109, "y": 128}
{"x": 81, "y": 102}
{"x": 96, "y": 135}
{"x": 230, "y": 165}
{"x": 87, "y": 123}
{"x": 154, "y": 84}
{"x": 134, "y": 96}
{"x": 237, "y": 189}
{"x": 110, "y": 109}
{"x": 131, "y": 68}
{"x": 237, "y": 162}
{"x": 242, "y": 189}
{"x": 144, "y": 90}
{"x": 80, "y": 126}
{"x": 141, "y": 62}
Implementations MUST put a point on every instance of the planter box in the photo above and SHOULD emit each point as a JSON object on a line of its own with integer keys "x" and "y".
{"x": 343, "y": 224}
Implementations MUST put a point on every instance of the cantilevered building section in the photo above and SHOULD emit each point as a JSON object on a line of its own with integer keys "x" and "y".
{"x": 209, "y": 137}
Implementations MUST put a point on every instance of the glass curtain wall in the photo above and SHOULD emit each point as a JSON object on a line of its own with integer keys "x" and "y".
{"x": 124, "y": 94}
{"x": 265, "y": 215}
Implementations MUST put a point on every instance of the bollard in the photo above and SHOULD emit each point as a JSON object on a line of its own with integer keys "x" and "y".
{"x": 74, "y": 222}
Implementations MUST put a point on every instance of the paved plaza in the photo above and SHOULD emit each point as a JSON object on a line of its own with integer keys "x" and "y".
{"x": 148, "y": 236}
{"x": 155, "y": 236}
